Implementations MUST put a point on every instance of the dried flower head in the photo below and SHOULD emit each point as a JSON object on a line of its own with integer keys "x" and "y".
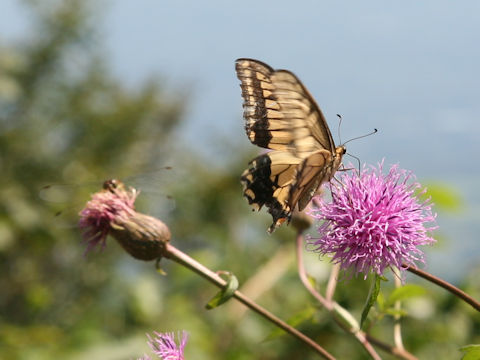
{"x": 111, "y": 211}
{"x": 163, "y": 345}
{"x": 374, "y": 221}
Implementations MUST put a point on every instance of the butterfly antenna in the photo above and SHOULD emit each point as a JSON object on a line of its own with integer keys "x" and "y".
{"x": 339, "y": 125}
{"x": 358, "y": 160}
{"x": 360, "y": 137}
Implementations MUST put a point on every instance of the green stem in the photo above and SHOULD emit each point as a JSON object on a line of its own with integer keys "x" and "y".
{"x": 397, "y": 327}
{"x": 341, "y": 315}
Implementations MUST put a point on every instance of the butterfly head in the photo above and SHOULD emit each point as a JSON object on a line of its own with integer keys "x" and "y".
{"x": 340, "y": 151}
{"x": 337, "y": 158}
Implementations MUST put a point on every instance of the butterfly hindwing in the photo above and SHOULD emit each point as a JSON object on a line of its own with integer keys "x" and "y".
{"x": 281, "y": 115}
{"x": 313, "y": 171}
{"x": 268, "y": 180}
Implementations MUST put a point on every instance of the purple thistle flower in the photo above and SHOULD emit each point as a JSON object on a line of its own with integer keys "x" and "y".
{"x": 374, "y": 221}
{"x": 107, "y": 207}
{"x": 164, "y": 346}
{"x": 111, "y": 211}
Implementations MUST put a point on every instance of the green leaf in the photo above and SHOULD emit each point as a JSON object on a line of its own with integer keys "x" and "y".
{"x": 444, "y": 196}
{"x": 294, "y": 321}
{"x": 372, "y": 297}
{"x": 381, "y": 301}
{"x": 404, "y": 292}
{"x": 396, "y": 312}
{"x": 472, "y": 352}
{"x": 225, "y": 294}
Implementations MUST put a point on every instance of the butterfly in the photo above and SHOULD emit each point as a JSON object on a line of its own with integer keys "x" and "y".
{"x": 281, "y": 115}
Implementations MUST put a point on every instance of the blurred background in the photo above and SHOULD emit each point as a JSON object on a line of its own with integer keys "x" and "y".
{"x": 91, "y": 90}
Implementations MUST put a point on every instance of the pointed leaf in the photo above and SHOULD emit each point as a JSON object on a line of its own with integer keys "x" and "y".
{"x": 225, "y": 294}
{"x": 372, "y": 297}
{"x": 404, "y": 292}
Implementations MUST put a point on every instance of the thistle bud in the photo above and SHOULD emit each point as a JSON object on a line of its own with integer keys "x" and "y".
{"x": 111, "y": 211}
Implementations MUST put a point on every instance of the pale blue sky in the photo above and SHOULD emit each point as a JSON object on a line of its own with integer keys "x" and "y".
{"x": 410, "y": 69}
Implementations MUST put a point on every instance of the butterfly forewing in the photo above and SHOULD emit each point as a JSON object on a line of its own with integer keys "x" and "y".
{"x": 304, "y": 118}
{"x": 265, "y": 124}
{"x": 280, "y": 114}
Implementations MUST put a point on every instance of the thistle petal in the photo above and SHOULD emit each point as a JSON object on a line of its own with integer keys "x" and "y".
{"x": 374, "y": 221}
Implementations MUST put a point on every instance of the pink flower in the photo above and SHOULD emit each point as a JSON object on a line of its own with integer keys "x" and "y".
{"x": 107, "y": 207}
{"x": 374, "y": 221}
{"x": 111, "y": 211}
{"x": 164, "y": 346}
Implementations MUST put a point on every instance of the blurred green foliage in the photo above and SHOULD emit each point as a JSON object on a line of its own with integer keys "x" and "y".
{"x": 64, "y": 118}
{"x": 444, "y": 197}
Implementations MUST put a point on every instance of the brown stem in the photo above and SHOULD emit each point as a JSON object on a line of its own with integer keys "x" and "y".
{"x": 332, "y": 306}
{"x": 176, "y": 255}
{"x": 446, "y": 285}
{"x": 401, "y": 353}
{"x": 343, "y": 318}
{"x": 304, "y": 278}
{"x": 332, "y": 282}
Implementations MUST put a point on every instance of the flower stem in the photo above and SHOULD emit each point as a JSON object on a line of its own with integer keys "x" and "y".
{"x": 304, "y": 278}
{"x": 181, "y": 258}
{"x": 341, "y": 315}
{"x": 403, "y": 354}
{"x": 397, "y": 327}
{"x": 446, "y": 285}
{"x": 332, "y": 282}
